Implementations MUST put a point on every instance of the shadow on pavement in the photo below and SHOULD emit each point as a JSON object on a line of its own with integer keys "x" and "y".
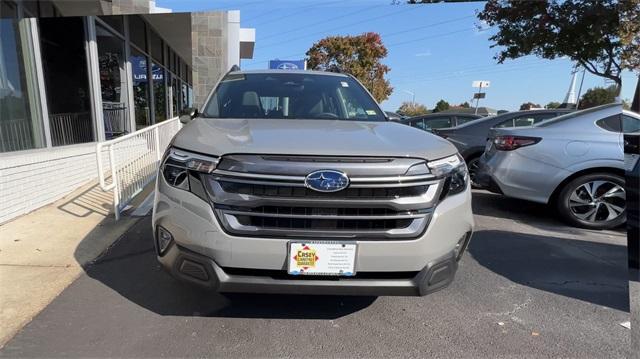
{"x": 538, "y": 215}
{"x": 131, "y": 269}
{"x": 588, "y": 271}
{"x": 496, "y": 205}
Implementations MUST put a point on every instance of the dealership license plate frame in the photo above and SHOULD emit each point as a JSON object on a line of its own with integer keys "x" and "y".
{"x": 354, "y": 256}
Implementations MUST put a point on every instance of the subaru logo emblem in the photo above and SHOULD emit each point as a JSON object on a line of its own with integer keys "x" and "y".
{"x": 326, "y": 181}
{"x": 287, "y": 66}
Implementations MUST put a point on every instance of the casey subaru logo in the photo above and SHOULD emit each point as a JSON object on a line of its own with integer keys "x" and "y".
{"x": 326, "y": 181}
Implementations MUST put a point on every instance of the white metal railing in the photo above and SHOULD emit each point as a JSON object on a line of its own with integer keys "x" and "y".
{"x": 133, "y": 161}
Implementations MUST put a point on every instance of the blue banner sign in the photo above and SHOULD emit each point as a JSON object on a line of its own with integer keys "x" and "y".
{"x": 139, "y": 69}
{"x": 287, "y": 65}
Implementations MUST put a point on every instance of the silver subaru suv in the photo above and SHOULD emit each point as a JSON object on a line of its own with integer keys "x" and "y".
{"x": 296, "y": 182}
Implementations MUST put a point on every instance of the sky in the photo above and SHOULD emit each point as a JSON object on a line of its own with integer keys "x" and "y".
{"x": 435, "y": 51}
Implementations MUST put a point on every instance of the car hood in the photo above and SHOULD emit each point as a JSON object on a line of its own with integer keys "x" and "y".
{"x": 310, "y": 137}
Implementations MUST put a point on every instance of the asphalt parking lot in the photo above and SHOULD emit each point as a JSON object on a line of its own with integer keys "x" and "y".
{"x": 529, "y": 286}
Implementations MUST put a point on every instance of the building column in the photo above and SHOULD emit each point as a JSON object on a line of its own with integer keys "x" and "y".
{"x": 129, "y": 74}
{"x": 208, "y": 52}
{"x": 93, "y": 68}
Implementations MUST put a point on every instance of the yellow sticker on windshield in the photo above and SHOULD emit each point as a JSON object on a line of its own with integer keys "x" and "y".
{"x": 371, "y": 112}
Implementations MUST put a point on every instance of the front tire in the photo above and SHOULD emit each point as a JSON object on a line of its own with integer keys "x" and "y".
{"x": 594, "y": 201}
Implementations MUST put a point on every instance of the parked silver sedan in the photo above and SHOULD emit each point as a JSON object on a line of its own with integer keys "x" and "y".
{"x": 574, "y": 162}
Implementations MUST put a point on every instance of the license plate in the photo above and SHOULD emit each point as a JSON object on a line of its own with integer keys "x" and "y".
{"x": 322, "y": 258}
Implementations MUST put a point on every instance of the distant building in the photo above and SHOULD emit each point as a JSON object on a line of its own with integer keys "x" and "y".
{"x": 74, "y": 73}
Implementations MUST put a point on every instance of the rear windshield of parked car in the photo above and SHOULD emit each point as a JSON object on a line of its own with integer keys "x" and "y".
{"x": 292, "y": 96}
{"x": 571, "y": 115}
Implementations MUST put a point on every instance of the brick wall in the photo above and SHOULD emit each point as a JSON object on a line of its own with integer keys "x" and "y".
{"x": 32, "y": 179}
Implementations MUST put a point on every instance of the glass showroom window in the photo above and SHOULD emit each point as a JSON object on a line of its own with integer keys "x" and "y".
{"x": 112, "y": 82}
{"x": 20, "y": 126}
{"x": 159, "y": 93}
{"x": 67, "y": 83}
{"x": 175, "y": 91}
{"x": 140, "y": 89}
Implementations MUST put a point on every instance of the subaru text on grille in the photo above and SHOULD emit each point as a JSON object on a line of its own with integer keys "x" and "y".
{"x": 296, "y": 182}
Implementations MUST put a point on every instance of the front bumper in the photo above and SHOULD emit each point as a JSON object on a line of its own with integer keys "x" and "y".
{"x": 245, "y": 264}
{"x": 194, "y": 268}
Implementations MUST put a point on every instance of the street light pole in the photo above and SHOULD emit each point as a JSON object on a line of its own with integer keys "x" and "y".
{"x": 478, "y": 99}
{"x": 413, "y": 97}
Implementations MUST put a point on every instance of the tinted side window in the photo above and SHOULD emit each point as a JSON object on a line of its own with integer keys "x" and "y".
{"x": 630, "y": 124}
{"x": 507, "y": 123}
{"x": 525, "y": 120}
{"x": 531, "y": 119}
{"x": 611, "y": 123}
{"x": 418, "y": 124}
{"x": 464, "y": 119}
{"x": 540, "y": 118}
{"x": 439, "y": 122}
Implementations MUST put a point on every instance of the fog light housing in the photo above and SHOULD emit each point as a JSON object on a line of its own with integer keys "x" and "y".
{"x": 163, "y": 240}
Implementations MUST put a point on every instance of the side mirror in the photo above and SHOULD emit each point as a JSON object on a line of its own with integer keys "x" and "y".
{"x": 188, "y": 114}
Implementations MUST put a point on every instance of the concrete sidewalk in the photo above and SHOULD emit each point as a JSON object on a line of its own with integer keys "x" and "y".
{"x": 41, "y": 253}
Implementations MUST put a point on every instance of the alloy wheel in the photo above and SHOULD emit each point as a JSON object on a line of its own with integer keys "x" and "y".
{"x": 598, "y": 201}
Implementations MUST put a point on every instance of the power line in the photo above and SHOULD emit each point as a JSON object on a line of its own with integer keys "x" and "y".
{"x": 471, "y": 68}
{"x": 299, "y": 10}
{"x": 368, "y": 20}
{"x": 427, "y": 26}
{"x": 323, "y": 22}
{"x": 398, "y": 32}
{"x": 429, "y": 37}
{"x": 486, "y": 72}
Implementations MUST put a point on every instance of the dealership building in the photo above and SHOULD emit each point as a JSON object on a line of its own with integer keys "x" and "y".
{"x": 77, "y": 73}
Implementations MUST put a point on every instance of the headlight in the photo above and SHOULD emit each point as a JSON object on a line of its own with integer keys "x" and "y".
{"x": 454, "y": 170}
{"x": 177, "y": 165}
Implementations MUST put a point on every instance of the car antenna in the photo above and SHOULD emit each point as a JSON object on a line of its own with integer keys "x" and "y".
{"x": 234, "y": 68}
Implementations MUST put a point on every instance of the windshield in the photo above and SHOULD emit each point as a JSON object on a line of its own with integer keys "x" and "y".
{"x": 292, "y": 96}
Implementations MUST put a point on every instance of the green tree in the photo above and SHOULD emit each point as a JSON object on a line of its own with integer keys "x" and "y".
{"x": 412, "y": 109}
{"x": 585, "y": 31}
{"x": 464, "y": 105}
{"x": 630, "y": 34}
{"x": 359, "y": 56}
{"x": 598, "y": 96}
{"x": 630, "y": 37}
{"x": 529, "y": 106}
{"x": 552, "y": 105}
{"x": 441, "y": 105}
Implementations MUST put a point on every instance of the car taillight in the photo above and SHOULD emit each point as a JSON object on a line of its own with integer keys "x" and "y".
{"x": 510, "y": 143}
